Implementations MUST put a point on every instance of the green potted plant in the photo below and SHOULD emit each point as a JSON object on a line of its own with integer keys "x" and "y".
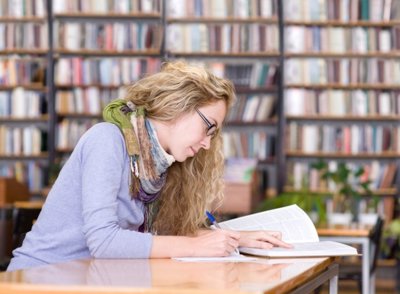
{"x": 311, "y": 203}
{"x": 349, "y": 185}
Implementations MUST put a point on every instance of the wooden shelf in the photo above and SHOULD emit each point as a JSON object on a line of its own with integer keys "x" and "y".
{"x": 42, "y": 119}
{"x": 109, "y": 16}
{"x": 262, "y": 89}
{"x": 379, "y": 192}
{"x": 100, "y": 86}
{"x": 79, "y": 116}
{"x": 37, "y": 19}
{"x": 201, "y": 19}
{"x": 33, "y": 87}
{"x": 336, "y": 86}
{"x": 91, "y": 53}
{"x": 24, "y": 51}
{"x": 225, "y": 55}
{"x": 339, "y": 23}
{"x": 386, "y": 155}
{"x": 42, "y": 156}
{"x": 366, "y": 118}
{"x": 270, "y": 122}
{"x": 376, "y": 54}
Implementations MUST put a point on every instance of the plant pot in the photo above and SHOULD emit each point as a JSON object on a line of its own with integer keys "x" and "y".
{"x": 336, "y": 218}
{"x": 367, "y": 218}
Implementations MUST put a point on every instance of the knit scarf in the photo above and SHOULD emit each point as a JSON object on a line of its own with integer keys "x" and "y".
{"x": 148, "y": 160}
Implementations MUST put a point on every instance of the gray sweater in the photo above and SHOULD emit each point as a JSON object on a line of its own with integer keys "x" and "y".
{"x": 88, "y": 212}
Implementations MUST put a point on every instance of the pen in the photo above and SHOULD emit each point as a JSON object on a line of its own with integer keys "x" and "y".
{"x": 212, "y": 219}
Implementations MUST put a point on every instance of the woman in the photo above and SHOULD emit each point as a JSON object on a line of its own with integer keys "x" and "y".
{"x": 138, "y": 185}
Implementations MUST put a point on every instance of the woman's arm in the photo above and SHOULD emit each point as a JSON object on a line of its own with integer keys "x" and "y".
{"x": 206, "y": 243}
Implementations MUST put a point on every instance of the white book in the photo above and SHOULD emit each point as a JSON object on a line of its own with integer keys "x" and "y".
{"x": 384, "y": 41}
{"x": 250, "y": 110}
{"x": 384, "y": 103}
{"x": 266, "y": 107}
{"x": 296, "y": 228}
{"x": 266, "y": 8}
{"x": 18, "y": 105}
{"x": 294, "y": 101}
{"x": 310, "y": 141}
{"x": 72, "y": 36}
{"x": 294, "y": 38}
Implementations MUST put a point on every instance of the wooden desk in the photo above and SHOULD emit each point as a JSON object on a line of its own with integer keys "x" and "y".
{"x": 171, "y": 276}
{"x": 354, "y": 234}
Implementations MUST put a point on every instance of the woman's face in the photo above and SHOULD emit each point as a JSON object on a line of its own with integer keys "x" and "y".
{"x": 185, "y": 136}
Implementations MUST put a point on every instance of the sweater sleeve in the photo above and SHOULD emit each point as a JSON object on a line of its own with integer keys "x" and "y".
{"x": 103, "y": 158}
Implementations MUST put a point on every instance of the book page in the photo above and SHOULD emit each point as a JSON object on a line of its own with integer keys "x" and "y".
{"x": 323, "y": 248}
{"x": 294, "y": 224}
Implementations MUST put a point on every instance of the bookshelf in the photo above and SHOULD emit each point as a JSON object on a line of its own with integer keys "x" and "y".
{"x": 293, "y": 79}
{"x": 239, "y": 40}
{"x": 341, "y": 92}
{"x": 24, "y": 92}
{"x": 99, "y": 49}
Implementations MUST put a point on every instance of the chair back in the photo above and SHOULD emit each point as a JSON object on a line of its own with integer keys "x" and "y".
{"x": 376, "y": 236}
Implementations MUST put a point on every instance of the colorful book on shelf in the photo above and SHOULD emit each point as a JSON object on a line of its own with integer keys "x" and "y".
{"x": 297, "y": 229}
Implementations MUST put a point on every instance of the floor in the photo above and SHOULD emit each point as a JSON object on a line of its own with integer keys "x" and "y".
{"x": 387, "y": 282}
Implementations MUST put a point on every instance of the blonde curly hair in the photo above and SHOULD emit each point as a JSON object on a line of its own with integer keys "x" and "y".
{"x": 194, "y": 185}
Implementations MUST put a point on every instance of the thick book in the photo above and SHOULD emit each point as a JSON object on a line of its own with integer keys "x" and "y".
{"x": 296, "y": 228}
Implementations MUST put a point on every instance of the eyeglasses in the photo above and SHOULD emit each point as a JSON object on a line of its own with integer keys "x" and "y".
{"x": 211, "y": 128}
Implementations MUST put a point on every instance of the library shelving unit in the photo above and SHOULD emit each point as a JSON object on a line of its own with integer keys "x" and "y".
{"x": 239, "y": 40}
{"x": 24, "y": 94}
{"x": 99, "y": 49}
{"x": 342, "y": 94}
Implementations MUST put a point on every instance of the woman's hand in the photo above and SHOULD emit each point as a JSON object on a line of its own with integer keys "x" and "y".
{"x": 262, "y": 239}
{"x": 215, "y": 242}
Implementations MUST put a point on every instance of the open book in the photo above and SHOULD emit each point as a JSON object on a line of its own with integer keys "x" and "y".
{"x": 297, "y": 229}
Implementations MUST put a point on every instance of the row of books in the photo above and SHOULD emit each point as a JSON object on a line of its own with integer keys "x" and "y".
{"x": 318, "y": 71}
{"x": 303, "y": 176}
{"x": 222, "y": 8}
{"x": 243, "y": 74}
{"x": 21, "y": 103}
{"x": 225, "y": 38}
{"x": 109, "y": 36}
{"x": 341, "y": 103}
{"x": 21, "y": 71}
{"x": 106, "y": 6}
{"x": 252, "y": 108}
{"x": 353, "y": 139}
{"x": 20, "y": 141}
{"x": 341, "y": 40}
{"x": 30, "y": 173}
{"x": 343, "y": 10}
{"x": 103, "y": 71}
{"x": 89, "y": 100}
{"x": 258, "y": 145}
{"x": 23, "y": 36}
{"x": 68, "y": 132}
{"x": 23, "y": 8}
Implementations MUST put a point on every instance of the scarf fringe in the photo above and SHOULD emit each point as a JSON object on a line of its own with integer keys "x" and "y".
{"x": 145, "y": 148}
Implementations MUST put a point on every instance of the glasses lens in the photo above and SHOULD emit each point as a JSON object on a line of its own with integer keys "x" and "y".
{"x": 212, "y": 130}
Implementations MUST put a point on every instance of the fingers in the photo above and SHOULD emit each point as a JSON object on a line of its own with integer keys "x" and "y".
{"x": 263, "y": 239}
{"x": 275, "y": 241}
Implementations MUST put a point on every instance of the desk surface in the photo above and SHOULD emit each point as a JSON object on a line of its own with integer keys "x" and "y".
{"x": 164, "y": 276}
{"x": 354, "y": 230}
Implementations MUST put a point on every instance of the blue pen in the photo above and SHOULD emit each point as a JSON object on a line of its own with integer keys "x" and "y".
{"x": 211, "y": 218}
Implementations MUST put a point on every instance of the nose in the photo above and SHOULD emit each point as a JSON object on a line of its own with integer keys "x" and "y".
{"x": 206, "y": 142}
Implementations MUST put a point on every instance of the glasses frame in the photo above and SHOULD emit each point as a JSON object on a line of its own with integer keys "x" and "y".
{"x": 211, "y": 127}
